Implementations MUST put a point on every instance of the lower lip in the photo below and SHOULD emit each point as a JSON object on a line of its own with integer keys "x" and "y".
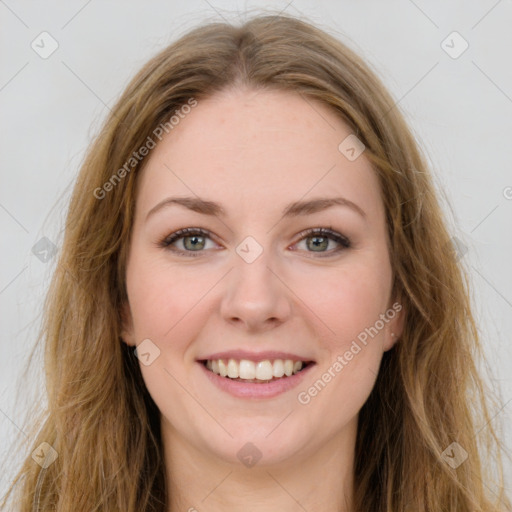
{"x": 241, "y": 389}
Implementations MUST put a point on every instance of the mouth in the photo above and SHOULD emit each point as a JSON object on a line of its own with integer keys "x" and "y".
{"x": 255, "y": 372}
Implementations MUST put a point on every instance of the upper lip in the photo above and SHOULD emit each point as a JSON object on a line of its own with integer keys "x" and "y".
{"x": 255, "y": 356}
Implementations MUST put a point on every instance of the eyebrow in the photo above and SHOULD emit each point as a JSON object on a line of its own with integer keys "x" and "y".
{"x": 294, "y": 209}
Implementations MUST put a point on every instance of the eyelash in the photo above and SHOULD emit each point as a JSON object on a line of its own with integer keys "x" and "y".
{"x": 321, "y": 232}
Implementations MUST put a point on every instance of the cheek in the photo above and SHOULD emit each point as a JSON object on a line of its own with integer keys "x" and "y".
{"x": 340, "y": 390}
{"x": 351, "y": 305}
{"x": 163, "y": 297}
{"x": 349, "y": 300}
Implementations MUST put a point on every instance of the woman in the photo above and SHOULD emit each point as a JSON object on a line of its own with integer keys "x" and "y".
{"x": 257, "y": 306}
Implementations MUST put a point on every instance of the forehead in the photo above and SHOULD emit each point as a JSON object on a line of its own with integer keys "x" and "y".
{"x": 252, "y": 149}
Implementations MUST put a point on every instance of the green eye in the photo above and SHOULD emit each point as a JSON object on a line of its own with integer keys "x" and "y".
{"x": 195, "y": 239}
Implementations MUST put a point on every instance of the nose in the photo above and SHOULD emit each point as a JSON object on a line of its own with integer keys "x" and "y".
{"x": 256, "y": 297}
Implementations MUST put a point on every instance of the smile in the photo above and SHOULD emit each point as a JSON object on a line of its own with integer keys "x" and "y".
{"x": 249, "y": 379}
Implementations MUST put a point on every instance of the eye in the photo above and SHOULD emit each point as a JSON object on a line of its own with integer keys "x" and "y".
{"x": 193, "y": 240}
{"x": 320, "y": 238}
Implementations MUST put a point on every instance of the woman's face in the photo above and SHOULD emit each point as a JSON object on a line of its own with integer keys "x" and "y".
{"x": 256, "y": 289}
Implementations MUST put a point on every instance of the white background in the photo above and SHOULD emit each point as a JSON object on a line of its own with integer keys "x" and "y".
{"x": 460, "y": 110}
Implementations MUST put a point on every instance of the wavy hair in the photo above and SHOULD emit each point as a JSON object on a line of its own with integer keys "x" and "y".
{"x": 100, "y": 419}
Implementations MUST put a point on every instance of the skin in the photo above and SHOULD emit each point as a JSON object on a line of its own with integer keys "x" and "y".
{"x": 254, "y": 152}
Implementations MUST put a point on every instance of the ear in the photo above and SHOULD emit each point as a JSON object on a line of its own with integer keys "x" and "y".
{"x": 127, "y": 334}
{"x": 396, "y": 313}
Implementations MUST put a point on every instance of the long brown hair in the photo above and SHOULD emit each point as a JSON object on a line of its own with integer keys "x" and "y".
{"x": 100, "y": 419}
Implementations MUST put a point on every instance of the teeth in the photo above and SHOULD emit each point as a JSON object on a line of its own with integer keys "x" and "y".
{"x": 264, "y": 370}
{"x": 288, "y": 367}
{"x": 233, "y": 369}
{"x": 223, "y": 370}
{"x": 249, "y": 370}
{"x": 278, "y": 368}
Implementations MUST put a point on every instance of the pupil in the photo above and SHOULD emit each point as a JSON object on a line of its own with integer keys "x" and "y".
{"x": 318, "y": 244}
{"x": 195, "y": 243}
